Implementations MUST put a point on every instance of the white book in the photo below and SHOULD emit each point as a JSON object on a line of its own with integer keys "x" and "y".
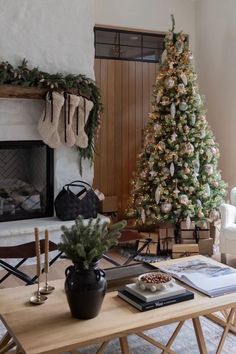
{"x": 147, "y": 295}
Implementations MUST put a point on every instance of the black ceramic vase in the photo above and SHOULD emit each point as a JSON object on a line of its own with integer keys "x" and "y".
{"x": 85, "y": 290}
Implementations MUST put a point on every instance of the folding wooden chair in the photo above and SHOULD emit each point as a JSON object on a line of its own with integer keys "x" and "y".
{"x": 23, "y": 252}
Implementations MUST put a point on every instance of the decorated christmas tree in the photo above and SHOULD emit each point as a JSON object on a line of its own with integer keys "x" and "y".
{"x": 177, "y": 176}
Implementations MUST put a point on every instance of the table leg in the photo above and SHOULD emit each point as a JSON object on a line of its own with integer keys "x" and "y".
{"x": 226, "y": 330}
{"x": 102, "y": 348}
{"x": 124, "y": 346}
{"x": 199, "y": 335}
{"x": 172, "y": 338}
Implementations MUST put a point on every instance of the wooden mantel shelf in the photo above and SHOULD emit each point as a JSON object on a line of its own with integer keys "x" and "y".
{"x": 14, "y": 91}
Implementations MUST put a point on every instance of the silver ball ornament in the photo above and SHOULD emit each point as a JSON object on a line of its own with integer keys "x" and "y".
{"x": 166, "y": 207}
{"x": 183, "y": 199}
{"x": 183, "y": 106}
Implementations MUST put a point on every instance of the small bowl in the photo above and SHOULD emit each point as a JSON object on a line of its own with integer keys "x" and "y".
{"x": 154, "y": 286}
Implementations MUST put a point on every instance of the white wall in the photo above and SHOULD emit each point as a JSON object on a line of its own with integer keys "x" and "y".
{"x": 216, "y": 62}
{"x": 148, "y": 15}
{"x": 56, "y": 35}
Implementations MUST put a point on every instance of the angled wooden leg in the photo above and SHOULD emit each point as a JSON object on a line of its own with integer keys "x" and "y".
{"x": 225, "y": 332}
{"x": 199, "y": 335}
{"x": 7, "y": 347}
{"x": 124, "y": 346}
{"x": 102, "y": 347}
{"x": 172, "y": 338}
{"x": 5, "y": 339}
{"x": 155, "y": 343}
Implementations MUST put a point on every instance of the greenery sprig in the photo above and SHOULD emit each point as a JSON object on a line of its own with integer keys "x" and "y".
{"x": 86, "y": 243}
{"x": 22, "y": 75}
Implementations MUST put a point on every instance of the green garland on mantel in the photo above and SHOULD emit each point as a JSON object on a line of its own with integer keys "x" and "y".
{"x": 23, "y": 76}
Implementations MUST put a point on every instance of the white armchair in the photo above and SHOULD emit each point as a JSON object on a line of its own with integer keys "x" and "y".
{"x": 228, "y": 227}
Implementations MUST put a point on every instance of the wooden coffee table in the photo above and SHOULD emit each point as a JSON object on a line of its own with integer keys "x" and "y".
{"x": 49, "y": 328}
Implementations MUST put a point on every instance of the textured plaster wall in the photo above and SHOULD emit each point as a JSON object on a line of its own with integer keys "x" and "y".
{"x": 56, "y": 35}
{"x": 216, "y": 57}
{"x": 148, "y": 15}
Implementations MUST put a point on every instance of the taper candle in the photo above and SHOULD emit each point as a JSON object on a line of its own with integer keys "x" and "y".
{"x": 37, "y": 250}
{"x": 46, "y": 263}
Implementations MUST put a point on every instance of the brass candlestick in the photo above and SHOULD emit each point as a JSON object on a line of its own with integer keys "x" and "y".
{"x": 38, "y": 299}
{"x": 47, "y": 289}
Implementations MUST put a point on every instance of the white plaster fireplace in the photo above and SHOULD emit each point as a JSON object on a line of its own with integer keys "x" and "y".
{"x": 56, "y": 37}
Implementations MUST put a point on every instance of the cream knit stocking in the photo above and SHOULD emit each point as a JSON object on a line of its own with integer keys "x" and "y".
{"x": 66, "y": 133}
{"x": 81, "y": 117}
{"x": 48, "y": 123}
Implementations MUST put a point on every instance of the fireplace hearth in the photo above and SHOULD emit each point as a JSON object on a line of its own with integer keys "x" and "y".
{"x": 26, "y": 180}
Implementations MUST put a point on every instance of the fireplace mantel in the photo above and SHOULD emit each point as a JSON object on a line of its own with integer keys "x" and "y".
{"x": 14, "y": 91}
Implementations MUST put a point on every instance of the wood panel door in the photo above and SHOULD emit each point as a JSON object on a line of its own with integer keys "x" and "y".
{"x": 126, "y": 89}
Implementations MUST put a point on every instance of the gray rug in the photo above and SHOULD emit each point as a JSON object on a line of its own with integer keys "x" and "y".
{"x": 185, "y": 343}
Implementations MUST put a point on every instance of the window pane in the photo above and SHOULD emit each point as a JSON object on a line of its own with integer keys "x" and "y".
{"x": 107, "y": 37}
{"x": 107, "y": 50}
{"x": 151, "y": 54}
{"x": 153, "y": 41}
{"x": 130, "y": 39}
{"x": 134, "y": 53}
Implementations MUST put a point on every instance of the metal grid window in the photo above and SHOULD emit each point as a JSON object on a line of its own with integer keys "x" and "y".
{"x": 128, "y": 45}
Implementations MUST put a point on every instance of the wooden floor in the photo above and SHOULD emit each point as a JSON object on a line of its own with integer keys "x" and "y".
{"x": 57, "y": 270}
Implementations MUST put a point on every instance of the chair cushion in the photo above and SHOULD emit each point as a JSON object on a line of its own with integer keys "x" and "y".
{"x": 229, "y": 232}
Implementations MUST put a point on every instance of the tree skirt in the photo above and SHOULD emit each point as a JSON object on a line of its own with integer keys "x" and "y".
{"x": 185, "y": 343}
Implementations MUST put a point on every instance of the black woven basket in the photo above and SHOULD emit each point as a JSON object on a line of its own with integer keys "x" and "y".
{"x": 69, "y": 205}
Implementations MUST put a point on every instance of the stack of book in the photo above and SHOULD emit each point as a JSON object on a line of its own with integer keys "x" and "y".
{"x": 145, "y": 300}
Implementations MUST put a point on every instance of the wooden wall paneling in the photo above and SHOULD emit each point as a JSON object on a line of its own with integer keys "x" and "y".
{"x": 118, "y": 135}
{"x": 104, "y": 128}
{"x": 125, "y": 133}
{"x": 97, "y": 158}
{"x": 152, "y": 75}
{"x": 110, "y": 128}
{"x": 146, "y": 94}
{"x": 139, "y": 105}
{"x": 132, "y": 122}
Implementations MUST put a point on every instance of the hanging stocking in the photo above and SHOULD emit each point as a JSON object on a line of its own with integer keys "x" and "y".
{"x": 48, "y": 123}
{"x": 67, "y": 136}
{"x": 81, "y": 117}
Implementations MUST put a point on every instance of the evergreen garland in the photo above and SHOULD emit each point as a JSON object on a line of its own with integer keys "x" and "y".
{"x": 23, "y": 76}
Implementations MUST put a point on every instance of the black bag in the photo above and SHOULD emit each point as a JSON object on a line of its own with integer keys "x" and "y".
{"x": 69, "y": 206}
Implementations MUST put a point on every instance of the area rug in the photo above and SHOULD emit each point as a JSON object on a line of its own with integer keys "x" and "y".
{"x": 185, "y": 343}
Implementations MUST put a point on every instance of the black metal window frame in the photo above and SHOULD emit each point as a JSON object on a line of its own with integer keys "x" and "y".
{"x": 119, "y": 45}
{"x": 17, "y": 144}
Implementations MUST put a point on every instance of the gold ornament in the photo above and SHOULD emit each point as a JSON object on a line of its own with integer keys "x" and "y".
{"x": 200, "y": 214}
{"x": 184, "y": 78}
{"x": 187, "y": 171}
{"x": 161, "y": 146}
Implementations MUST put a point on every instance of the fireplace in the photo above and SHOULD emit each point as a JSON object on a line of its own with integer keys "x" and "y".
{"x": 26, "y": 180}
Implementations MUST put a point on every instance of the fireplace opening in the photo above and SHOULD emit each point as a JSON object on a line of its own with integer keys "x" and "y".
{"x": 26, "y": 180}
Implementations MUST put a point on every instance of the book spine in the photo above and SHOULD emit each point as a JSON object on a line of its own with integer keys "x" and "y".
{"x": 166, "y": 302}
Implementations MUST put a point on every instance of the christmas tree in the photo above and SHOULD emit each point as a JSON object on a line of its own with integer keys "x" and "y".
{"x": 177, "y": 176}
